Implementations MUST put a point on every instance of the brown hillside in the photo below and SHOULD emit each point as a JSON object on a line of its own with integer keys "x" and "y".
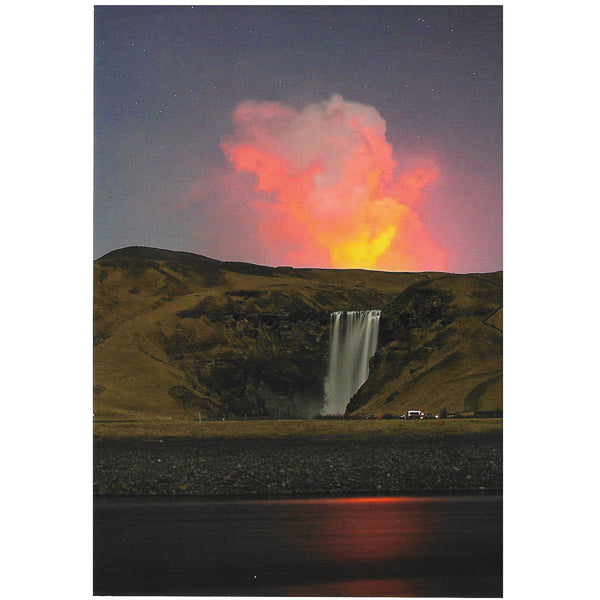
{"x": 440, "y": 349}
{"x": 177, "y": 334}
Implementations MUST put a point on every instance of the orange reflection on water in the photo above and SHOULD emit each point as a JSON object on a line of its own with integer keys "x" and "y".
{"x": 358, "y": 587}
{"x": 370, "y": 500}
{"x": 364, "y": 530}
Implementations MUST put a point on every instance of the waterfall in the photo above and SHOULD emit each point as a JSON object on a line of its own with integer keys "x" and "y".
{"x": 352, "y": 342}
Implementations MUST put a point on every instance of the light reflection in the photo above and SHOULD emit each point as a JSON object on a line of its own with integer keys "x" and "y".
{"x": 361, "y": 531}
{"x": 380, "y": 546}
{"x": 358, "y": 587}
{"x": 356, "y": 500}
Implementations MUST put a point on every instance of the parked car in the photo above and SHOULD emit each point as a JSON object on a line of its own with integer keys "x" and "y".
{"x": 414, "y": 414}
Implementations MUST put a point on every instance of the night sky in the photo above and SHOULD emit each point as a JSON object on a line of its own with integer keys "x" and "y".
{"x": 304, "y": 136}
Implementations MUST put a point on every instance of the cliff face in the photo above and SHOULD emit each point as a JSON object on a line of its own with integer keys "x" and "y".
{"x": 180, "y": 335}
{"x": 440, "y": 349}
{"x": 257, "y": 361}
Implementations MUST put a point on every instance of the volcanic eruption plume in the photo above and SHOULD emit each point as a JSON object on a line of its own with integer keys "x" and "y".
{"x": 334, "y": 194}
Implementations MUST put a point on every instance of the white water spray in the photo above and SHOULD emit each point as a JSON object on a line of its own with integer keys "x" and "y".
{"x": 352, "y": 342}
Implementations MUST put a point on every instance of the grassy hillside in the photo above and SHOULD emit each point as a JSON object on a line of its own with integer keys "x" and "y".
{"x": 440, "y": 349}
{"x": 177, "y": 334}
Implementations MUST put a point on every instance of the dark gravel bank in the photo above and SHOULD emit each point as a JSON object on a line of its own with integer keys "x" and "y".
{"x": 436, "y": 464}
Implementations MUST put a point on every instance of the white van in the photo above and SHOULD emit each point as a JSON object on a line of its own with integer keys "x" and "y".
{"x": 414, "y": 414}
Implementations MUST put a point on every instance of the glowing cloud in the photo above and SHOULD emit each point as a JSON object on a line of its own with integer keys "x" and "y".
{"x": 336, "y": 197}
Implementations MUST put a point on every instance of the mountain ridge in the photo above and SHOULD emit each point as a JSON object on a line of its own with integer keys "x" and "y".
{"x": 181, "y": 335}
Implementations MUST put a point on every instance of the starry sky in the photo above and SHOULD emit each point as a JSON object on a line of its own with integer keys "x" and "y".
{"x": 301, "y": 135}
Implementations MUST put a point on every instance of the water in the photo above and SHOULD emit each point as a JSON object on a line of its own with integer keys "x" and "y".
{"x": 353, "y": 341}
{"x": 416, "y": 547}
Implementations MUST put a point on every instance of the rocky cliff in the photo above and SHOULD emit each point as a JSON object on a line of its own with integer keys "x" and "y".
{"x": 440, "y": 349}
{"x": 178, "y": 335}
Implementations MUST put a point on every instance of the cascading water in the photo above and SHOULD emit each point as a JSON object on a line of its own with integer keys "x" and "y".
{"x": 352, "y": 342}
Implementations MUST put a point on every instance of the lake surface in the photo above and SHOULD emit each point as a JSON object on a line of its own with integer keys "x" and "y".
{"x": 415, "y": 547}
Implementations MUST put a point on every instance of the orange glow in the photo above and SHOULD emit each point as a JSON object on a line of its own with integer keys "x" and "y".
{"x": 353, "y": 531}
{"x": 336, "y": 198}
{"x": 397, "y": 588}
{"x": 352, "y": 500}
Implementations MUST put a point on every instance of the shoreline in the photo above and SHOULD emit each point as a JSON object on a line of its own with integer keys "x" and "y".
{"x": 252, "y": 468}
{"x": 491, "y": 496}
